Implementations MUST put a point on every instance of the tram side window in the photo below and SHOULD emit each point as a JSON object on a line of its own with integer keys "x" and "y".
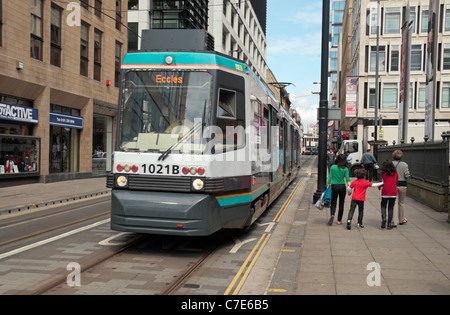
{"x": 231, "y": 134}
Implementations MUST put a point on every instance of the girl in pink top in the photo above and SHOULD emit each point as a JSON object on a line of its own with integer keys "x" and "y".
{"x": 388, "y": 193}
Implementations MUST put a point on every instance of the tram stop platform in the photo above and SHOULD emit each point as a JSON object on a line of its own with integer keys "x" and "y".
{"x": 21, "y": 198}
{"x": 310, "y": 257}
{"x": 318, "y": 259}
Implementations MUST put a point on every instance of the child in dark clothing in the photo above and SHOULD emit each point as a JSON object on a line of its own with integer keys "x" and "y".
{"x": 388, "y": 193}
{"x": 359, "y": 187}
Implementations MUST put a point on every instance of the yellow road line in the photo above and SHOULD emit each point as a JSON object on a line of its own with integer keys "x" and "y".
{"x": 287, "y": 202}
{"x": 277, "y": 290}
{"x": 262, "y": 241}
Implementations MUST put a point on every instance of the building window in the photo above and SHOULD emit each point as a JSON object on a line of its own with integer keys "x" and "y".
{"x": 132, "y": 36}
{"x": 97, "y": 55}
{"x": 117, "y": 64}
{"x": 412, "y": 18}
{"x": 447, "y": 18}
{"x": 392, "y": 23}
{"x": 424, "y": 20}
{"x": 118, "y": 14}
{"x": 84, "y": 49}
{"x": 98, "y": 8}
{"x": 133, "y": 4}
{"x": 372, "y": 95}
{"x": 446, "y": 57}
{"x": 55, "y": 30}
{"x": 395, "y": 57}
{"x": 445, "y": 95}
{"x": 381, "y": 58}
{"x": 422, "y": 95}
{"x": 390, "y": 95}
{"x": 84, "y": 4}
{"x": 36, "y": 29}
{"x": 416, "y": 57}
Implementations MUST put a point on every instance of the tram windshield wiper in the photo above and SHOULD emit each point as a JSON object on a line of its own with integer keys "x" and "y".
{"x": 164, "y": 155}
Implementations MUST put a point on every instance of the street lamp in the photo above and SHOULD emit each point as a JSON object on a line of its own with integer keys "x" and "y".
{"x": 323, "y": 106}
{"x": 281, "y": 86}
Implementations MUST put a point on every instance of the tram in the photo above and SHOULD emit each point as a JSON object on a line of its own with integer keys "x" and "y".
{"x": 202, "y": 145}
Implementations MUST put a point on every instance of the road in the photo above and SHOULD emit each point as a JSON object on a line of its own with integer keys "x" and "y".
{"x": 71, "y": 249}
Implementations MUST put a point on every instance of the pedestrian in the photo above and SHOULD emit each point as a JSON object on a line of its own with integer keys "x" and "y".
{"x": 359, "y": 187}
{"x": 337, "y": 179}
{"x": 388, "y": 193}
{"x": 349, "y": 161}
{"x": 403, "y": 174}
{"x": 368, "y": 160}
{"x": 330, "y": 159}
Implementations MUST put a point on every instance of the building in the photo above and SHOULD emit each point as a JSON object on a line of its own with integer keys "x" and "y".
{"x": 357, "y": 57}
{"x": 336, "y": 15}
{"x": 237, "y": 27}
{"x": 59, "y": 78}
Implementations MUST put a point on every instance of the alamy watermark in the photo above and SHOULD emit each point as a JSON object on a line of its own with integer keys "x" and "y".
{"x": 374, "y": 277}
{"x": 74, "y": 277}
{"x": 74, "y": 17}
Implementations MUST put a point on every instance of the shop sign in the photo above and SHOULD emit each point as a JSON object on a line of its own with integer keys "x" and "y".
{"x": 18, "y": 113}
{"x": 64, "y": 120}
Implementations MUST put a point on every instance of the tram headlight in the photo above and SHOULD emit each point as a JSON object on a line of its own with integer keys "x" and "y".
{"x": 197, "y": 184}
{"x": 122, "y": 181}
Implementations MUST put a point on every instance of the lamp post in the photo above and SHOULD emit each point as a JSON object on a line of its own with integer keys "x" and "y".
{"x": 323, "y": 106}
{"x": 375, "y": 143}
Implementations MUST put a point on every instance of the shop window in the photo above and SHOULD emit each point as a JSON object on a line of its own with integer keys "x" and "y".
{"x": 19, "y": 155}
{"x": 64, "y": 144}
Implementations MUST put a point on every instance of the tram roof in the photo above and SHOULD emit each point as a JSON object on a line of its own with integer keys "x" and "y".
{"x": 186, "y": 59}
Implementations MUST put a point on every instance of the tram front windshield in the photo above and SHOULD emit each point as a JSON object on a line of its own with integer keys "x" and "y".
{"x": 164, "y": 109}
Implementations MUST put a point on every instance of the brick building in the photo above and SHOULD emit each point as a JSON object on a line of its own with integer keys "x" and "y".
{"x": 59, "y": 78}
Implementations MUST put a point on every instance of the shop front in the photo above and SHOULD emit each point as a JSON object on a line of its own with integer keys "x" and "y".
{"x": 65, "y": 126}
{"x": 19, "y": 150}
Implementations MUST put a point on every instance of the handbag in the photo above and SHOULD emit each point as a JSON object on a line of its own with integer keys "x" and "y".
{"x": 318, "y": 203}
{"x": 327, "y": 197}
{"x": 324, "y": 200}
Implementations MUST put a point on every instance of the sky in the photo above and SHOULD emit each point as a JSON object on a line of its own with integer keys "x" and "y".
{"x": 294, "y": 31}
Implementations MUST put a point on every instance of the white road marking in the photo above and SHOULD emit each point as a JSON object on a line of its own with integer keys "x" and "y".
{"x": 52, "y": 239}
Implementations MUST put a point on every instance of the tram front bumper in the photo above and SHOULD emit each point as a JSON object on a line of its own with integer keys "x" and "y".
{"x": 164, "y": 213}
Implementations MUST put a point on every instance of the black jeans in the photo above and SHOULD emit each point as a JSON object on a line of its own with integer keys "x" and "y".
{"x": 369, "y": 168}
{"x": 390, "y": 202}
{"x": 353, "y": 205}
{"x": 337, "y": 190}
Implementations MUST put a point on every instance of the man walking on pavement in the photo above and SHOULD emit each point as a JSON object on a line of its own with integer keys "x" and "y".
{"x": 368, "y": 161}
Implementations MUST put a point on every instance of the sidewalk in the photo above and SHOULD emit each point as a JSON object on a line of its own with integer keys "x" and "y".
{"x": 413, "y": 258}
{"x": 32, "y": 196}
